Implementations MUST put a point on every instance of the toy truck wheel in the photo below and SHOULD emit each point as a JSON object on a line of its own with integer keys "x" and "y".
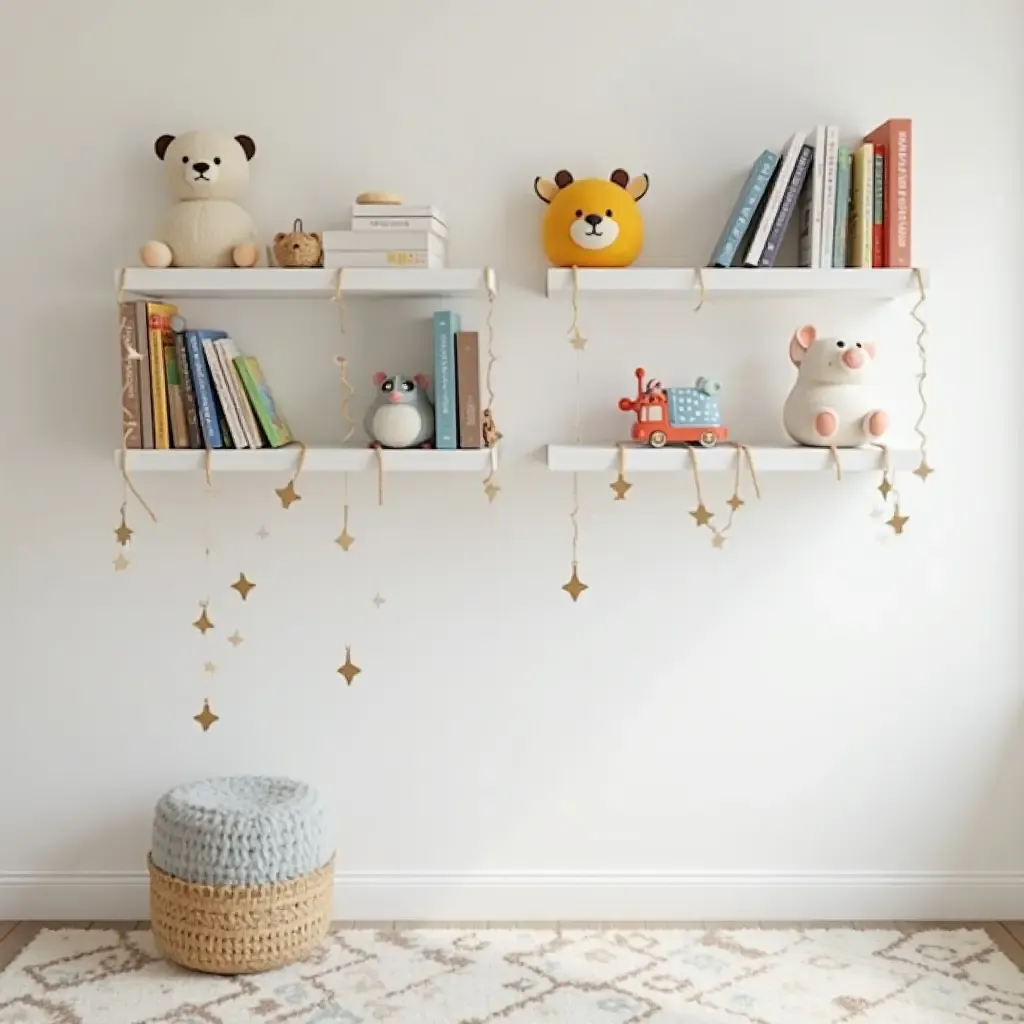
{"x": 658, "y": 439}
{"x": 708, "y": 439}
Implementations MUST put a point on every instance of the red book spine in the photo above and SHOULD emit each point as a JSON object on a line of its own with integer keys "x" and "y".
{"x": 878, "y": 209}
{"x": 896, "y": 135}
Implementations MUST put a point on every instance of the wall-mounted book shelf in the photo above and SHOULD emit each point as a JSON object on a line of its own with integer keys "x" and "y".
{"x": 598, "y": 458}
{"x": 738, "y": 283}
{"x": 294, "y": 283}
{"x": 318, "y": 460}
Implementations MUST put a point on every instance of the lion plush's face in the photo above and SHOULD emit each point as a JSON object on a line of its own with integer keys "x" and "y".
{"x": 206, "y": 165}
{"x": 592, "y": 222}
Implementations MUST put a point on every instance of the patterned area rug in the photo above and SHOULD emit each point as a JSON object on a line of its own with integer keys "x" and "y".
{"x": 519, "y": 976}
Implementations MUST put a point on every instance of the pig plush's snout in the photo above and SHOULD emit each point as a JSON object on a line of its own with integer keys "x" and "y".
{"x": 854, "y": 358}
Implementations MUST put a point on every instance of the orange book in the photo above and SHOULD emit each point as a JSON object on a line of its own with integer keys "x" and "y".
{"x": 894, "y": 138}
{"x": 158, "y": 319}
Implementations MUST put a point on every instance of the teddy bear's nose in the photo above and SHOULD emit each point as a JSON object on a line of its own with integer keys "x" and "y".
{"x": 202, "y": 168}
{"x": 593, "y": 219}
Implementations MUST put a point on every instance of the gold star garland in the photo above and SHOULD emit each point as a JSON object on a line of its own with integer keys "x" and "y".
{"x": 129, "y": 425}
{"x": 621, "y": 486}
{"x": 923, "y": 470}
{"x": 204, "y": 623}
{"x": 288, "y": 495}
{"x": 702, "y": 515}
{"x": 888, "y": 486}
{"x": 344, "y": 540}
{"x": 491, "y": 486}
{"x": 575, "y": 586}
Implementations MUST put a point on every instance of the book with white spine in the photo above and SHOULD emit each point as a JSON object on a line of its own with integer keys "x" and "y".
{"x": 228, "y": 351}
{"x": 223, "y": 389}
{"x": 770, "y": 208}
{"x": 828, "y": 194}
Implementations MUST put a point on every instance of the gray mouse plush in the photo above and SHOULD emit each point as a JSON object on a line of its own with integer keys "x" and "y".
{"x": 401, "y": 414}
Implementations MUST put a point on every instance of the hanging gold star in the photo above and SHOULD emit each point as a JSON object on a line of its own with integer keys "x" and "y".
{"x": 287, "y": 494}
{"x": 491, "y": 489}
{"x": 243, "y": 586}
{"x": 344, "y": 540}
{"x": 924, "y": 470}
{"x": 621, "y": 487}
{"x": 718, "y": 541}
{"x": 121, "y": 563}
{"x": 123, "y": 533}
{"x": 209, "y": 668}
{"x": 349, "y": 670}
{"x": 897, "y": 522}
{"x": 203, "y": 623}
{"x": 575, "y": 586}
{"x": 235, "y": 639}
{"x": 378, "y": 600}
{"x": 885, "y": 487}
{"x": 263, "y": 533}
{"x": 206, "y": 717}
{"x": 735, "y": 503}
{"x": 578, "y": 342}
{"x": 702, "y": 515}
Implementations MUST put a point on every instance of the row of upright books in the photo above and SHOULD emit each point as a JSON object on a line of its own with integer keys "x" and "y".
{"x": 851, "y": 201}
{"x": 191, "y": 388}
{"x": 386, "y": 235}
{"x": 458, "y": 412}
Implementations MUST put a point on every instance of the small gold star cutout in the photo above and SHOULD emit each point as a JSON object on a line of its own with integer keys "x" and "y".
{"x": 121, "y": 563}
{"x": 735, "y": 503}
{"x": 702, "y": 515}
{"x": 344, "y": 540}
{"x": 349, "y": 670}
{"x": 203, "y": 623}
{"x": 491, "y": 489}
{"x": 621, "y": 487}
{"x": 378, "y": 600}
{"x": 885, "y": 487}
{"x": 897, "y": 522}
{"x": 236, "y": 638}
{"x": 718, "y": 541}
{"x": 287, "y": 494}
{"x": 578, "y": 342}
{"x": 206, "y": 717}
{"x": 924, "y": 470}
{"x": 123, "y": 533}
{"x": 263, "y": 533}
{"x": 243, "y": 586}
{"x": 209, "y": 668}
{"x": 575, "y": 586}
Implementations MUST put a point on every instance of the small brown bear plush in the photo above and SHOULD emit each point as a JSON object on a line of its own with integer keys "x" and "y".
{"x": 296, "y": 248}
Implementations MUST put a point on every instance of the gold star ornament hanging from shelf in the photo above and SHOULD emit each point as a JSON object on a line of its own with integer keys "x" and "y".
{"x": 897, "y": 522}
{"x": 287, "y": 494}
{"x": 701, "y": 515}
{"x": 575, "y": 587}
{"x": 349, "y": 670}
{"x": 121, "y": 563}
{"x": 243, "y": 586}
{"x": 924, "y": 471}
{"x": 884, "y": 488}
{"x": 621, "y": 486}
{"x": 206, "y": 717}
{"x": 236, "y": 638}
{"x": 124, "y": 532}
{"x": 203, "y": 623}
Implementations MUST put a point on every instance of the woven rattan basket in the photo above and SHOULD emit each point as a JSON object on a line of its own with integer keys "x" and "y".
{"x": 226, "y": 929}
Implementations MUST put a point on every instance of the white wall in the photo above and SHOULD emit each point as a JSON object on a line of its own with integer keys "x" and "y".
{"x": 821, "y": 720}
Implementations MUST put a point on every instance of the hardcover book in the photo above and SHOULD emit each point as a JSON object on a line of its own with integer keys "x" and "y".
{"x": 773, "y": 200}
{"x": 862, "y": 207}
{"x": 446, "y": 326}
{"x": 811, "y": 205}
{"x": 839, "y": 230}
{"x": 895, "y": 138}
{"x": 158, "y": 315}
{"x": 274, "y": 426}
{"x": 467, "y": 370}
{"x": 828, "y": 194}
{"x": 878, "y": 210}
{"x": 789, "y": 205}
{"x": 145, "y": 377}
{"x": 227, "y": 350}
{"x": 195, "y": 437}
{"x": 175, "y": 398}
{"x": 131, "y": 369}
{"x": 222, "y": 387}
{"x": 744, "y": 210}
{"x": 206, "y": 401}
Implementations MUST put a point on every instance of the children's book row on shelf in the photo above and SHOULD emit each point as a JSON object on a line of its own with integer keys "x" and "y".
{"x": 851, "y": 202}
{"x": 185, "y": 387}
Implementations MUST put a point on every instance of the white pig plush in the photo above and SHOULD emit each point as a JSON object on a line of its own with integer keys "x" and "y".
{"x": 834, "y": 399}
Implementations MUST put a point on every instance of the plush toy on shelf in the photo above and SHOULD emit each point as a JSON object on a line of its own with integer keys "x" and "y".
{"x": 675, "y": 415}
{"x": 206, "y": 227}
{"x": 401, "y": 414}
{"x": 592, "y": 222}
{"x": 834, "y": 402}
{"x": 297, "y": 248}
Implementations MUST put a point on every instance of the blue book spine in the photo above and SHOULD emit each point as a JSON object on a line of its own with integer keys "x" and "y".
{"x": 843, "y": 175}
{"x": 789, "y": 201}
{"x": 446, "y": 419}
{"x": 206, "y": 402}
{"x": 745, "y": 208}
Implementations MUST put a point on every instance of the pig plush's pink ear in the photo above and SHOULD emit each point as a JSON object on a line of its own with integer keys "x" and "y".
{"x": 379, "y": 377}
{"x": 872, "y": 348}
{"x": 422, "y": 381}
{"x": 800, "y": 343}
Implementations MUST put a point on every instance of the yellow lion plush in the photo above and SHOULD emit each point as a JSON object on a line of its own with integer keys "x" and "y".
{"x": 592, "y": 222}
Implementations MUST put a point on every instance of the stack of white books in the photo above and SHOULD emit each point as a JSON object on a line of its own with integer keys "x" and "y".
{"x": 389, "y": 236}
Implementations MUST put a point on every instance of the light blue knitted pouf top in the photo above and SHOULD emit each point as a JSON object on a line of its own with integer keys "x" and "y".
{"x": 243, "y": 830}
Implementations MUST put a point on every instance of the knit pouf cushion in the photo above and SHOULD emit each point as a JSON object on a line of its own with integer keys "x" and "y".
{"x": 244, "y": 830}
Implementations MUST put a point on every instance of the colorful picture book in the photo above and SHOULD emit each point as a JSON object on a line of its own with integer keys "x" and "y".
{"x": 850, "y": 200}
{"x": 191, "y": 387}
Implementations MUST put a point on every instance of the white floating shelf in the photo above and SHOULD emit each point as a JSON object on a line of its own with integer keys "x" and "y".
{"x": 594, "y": 458}
{"x": 318, "y": 460}
{"x": 739, "y": 283}
{"x": 295, "y": 283}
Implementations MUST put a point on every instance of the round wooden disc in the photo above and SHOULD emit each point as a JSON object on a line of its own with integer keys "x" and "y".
{"x": 379, "y": 198}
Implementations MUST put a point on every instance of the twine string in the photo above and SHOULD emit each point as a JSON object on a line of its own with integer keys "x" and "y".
{"x": 622, "y": 460}
{"x": 834, "y": 456}
{"x": 696, "y": 473}
{"x": 922, "y": 355}
{"x": 301, "y": 463}
{"x": 703, "y": 289}
{"x": 380, "y": 474}
{"x": 491, "y": 489}
{"x": 574, "y": 328}
{"x": 341, "y": 360}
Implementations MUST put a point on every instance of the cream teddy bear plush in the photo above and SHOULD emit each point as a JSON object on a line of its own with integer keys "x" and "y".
{"x": 208, "y": 172}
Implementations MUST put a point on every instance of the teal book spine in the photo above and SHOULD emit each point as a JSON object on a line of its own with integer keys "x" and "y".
{"x": 446, "y": 416}
{"x": 744, "y": 210}
{"x": 843, "y": 178}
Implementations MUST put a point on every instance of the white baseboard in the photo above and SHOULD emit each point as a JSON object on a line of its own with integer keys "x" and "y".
{"x": 573, "y": 896}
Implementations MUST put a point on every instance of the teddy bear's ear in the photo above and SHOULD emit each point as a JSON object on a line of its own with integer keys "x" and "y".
{"x": 161, "y": 145}
{"x": 278, "y": 237}
{"x": 619, "y": 177}
{"x": 545, "y": 189}
{"x": 248, "y": 146}
{"x": 638, "y": 186}
{"x": 319, "y": 238}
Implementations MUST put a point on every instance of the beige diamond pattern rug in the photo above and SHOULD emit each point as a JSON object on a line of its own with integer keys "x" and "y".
{"x": 531, "y": 976}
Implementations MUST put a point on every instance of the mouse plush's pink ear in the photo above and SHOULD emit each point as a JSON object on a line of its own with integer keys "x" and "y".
{"x": 379, "y": 377}
{"x": 801, "y": 341}
{"x": 422, "y": 381}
